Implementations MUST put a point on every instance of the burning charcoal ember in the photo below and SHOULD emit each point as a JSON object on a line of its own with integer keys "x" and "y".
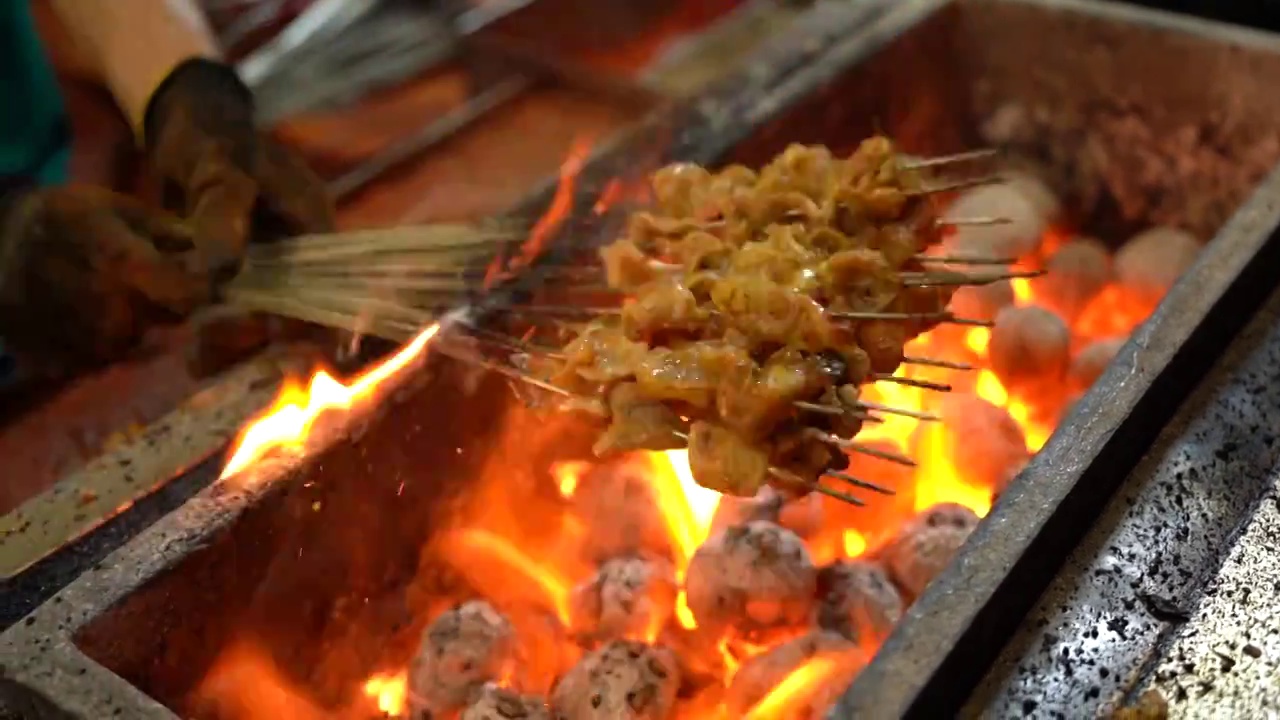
{"x": 1017, "y": 238}
{"x": 982, "y": 302}
{"x": 753, "y": 576}
{"x": 1152, "y": 261}
{"x": 926, "y": 545}
{"x": 858, "y": 600}
{"x": 762, "y": 673}
{"x": 496, "y": 703}
{"x": 766, "y": 505}
{"x": 624, "y": 680}
{"x": 803, "y": 515}
{"x": 461, "y": 650}
{"x": 981, "y": 440}
{"x": 1089, "y": 364}
{"x": 1035, "y": 190}
{"x": 618, "y": 506}
{"x": 629, "y": 597}
{"x": 1030, "y": 349}
{"x": 1075, "y": 274}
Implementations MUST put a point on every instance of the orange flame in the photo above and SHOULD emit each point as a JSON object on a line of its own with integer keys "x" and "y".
{"x": 287, "y": 423}
{"x": 390, "y": 691}
{"x": 551, "y": 220}
{"x": 797, "y": 688}
{"x": 568, "y": 475}
{"x": 555, "y": 589}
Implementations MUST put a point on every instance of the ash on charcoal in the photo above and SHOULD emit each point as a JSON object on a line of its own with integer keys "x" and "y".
{"x": 858, "y": 600}
{"x": 983, "y": 439}
{"x": 496, "y": 703}
{"x": 617, "y": 504}
{"x": 765, "y": 505}
{"x": 926, "y": 545}
{"x": 753, "y": 576}
{"x": 1030, "y": 349}
{"x": 1076, "y": 273}
{"x": 762, "y": 673}
{"x": 624, "y": 680}
{"x": 1089, "y": 364}
{"x": 461, "y": 650}
{"x": 1152, "y": 261}
{"x": 982, "y": 302}
{"x": 628, "y": 597}
{"x": 1019, "y": 237}
{"x": 1193, "y": 176}
{"x": 803, "y": 515}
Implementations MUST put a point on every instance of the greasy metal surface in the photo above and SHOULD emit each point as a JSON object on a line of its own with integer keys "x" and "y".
{"x": 1156, "y": 548}
{"x": 1225, "y": 661}
{"x": 110, "y": 483}
{"x": 939, "y": 652}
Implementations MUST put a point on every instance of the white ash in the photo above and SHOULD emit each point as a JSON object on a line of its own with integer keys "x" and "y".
{"x": 1035, "y": 190}
{"x": 981, "y": 440}
{"x": 1076, "y": 273}
{"x": 460, "y": 651}
{"x": 1017, "y": 238}
{"x": 1092, "y": 360}
{"x": 926, "y": 544}
{"x": 496, "y": 703}
{"x": 762, "y": 673}
{"x": 617, "y": 504}
{"x": 626, "y": 598}
{"x": 624, "y": 680}
{"x": 752, "y": 576}
{"x": 1152, "y": 261}
{"x": 982, "y": 302}
{"x": 858, "y": 600}
{"x": 803, "y": 515}
{"x": 732, "y": 510}
{"x": 1029, "y": 351}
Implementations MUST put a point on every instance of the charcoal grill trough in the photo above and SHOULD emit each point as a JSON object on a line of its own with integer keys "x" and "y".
{"x": 329, "y": 560}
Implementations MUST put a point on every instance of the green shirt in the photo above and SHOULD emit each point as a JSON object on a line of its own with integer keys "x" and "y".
{"x": 35, "y": 142}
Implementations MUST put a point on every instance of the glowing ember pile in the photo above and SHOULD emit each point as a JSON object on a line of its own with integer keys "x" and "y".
{"x": 652, "y": 597}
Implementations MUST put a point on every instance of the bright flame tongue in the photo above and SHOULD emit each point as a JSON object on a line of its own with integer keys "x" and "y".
{"x": 286, "y": 424}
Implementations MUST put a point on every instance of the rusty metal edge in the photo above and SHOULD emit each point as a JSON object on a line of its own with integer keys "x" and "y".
{"x": 44, "y": 674}
{"x": 942, "y": 648}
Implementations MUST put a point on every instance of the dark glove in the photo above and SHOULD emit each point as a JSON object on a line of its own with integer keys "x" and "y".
{"x": 234, "y": 184}
{"x": 84, "y": 272}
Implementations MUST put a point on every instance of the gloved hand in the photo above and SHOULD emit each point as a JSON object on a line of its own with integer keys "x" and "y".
{"x": 85, "y": 271}
{"x": 234, "y": 184}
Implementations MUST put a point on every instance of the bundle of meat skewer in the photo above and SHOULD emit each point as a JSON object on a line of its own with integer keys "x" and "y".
{"x": 747, "y": 309}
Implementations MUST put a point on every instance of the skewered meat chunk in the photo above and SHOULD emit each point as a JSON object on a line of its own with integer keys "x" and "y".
{"x": 624, "y": 680}
{"x": 746, "y": 295}
{"x": 460, "y": 651}
{"x": 724, "y": 461}
{"x": 749, "y": 577}
{"x": 638, "y": 422}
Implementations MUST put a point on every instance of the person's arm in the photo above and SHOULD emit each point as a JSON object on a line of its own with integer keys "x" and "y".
{"x": 137, "y": 43}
